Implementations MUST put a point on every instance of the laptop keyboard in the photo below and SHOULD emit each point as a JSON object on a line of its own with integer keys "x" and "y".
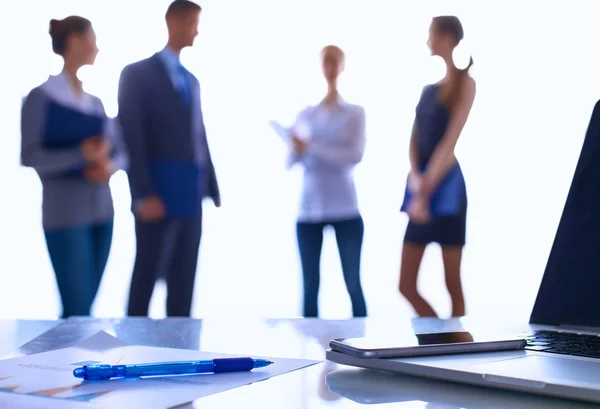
{"x": 563, "y": 343}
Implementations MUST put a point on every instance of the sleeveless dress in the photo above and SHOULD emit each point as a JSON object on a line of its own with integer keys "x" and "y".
{"x": 432, "y": 119}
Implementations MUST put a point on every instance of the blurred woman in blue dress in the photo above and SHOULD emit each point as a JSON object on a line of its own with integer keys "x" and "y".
{"x": 436, "y": 198}
{"x": 74, "y": 148}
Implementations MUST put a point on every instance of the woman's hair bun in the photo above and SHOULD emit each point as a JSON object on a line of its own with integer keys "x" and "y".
{"x": 54, "y": 26}
{"x": 60, "y": 30}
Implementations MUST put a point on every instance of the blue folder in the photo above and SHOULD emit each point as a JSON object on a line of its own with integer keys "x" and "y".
{"x": 178, "y": 184}
{"x": 448, "y": 198}
{"x": 66, "y": 128}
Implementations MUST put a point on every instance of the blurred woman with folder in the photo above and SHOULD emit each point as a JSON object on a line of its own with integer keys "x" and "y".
{"x": 435, "y": 198}
{"x": 328, "y": 140}
{"x": 74, "y": 148}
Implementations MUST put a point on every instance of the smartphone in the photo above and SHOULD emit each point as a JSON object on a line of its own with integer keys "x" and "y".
{"x": 416, "y": 345}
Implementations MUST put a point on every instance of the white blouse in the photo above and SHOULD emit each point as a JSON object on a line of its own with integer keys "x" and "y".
{"x": 336, "y": 135}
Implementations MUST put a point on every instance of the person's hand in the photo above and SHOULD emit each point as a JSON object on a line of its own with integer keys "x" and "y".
{"x": 418, "y": 210}
{"x": 151, "y": 209}
{"x": 298, "y": 145}
{"x": 100, "y": 172}
{"x": 415, "y": 183}
{"x": 95, "y": 149}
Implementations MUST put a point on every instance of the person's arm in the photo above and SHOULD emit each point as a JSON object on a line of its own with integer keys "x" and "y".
{"x": 132, "y": 121}
{"x": 350, "y": 149}
{"x": 33, "y": 154}
{"x": 118, "y": 151}
{"x": 414, "y": 156}
{"x": 117, "y": 154}
{"x": 212, "y": 184}
{"x": 443, "y": 158}
{"x": 293, "y": 156}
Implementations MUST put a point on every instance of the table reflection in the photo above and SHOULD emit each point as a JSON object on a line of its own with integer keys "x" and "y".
{"x": 369, "y": 387}
{"x": 15, "y": 333}
{"x": 322, "y": 334}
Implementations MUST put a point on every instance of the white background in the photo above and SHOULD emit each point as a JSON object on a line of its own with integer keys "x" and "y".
{"x": 537, "y": 71}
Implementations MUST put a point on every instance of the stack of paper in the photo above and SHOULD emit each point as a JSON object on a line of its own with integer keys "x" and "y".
{"x": 50, "y": 375}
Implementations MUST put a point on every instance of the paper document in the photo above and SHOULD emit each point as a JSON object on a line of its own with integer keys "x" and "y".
{"x": 15, "y": 400}
{"x": 283, "y": 132}
{"x": 50, "y": 374}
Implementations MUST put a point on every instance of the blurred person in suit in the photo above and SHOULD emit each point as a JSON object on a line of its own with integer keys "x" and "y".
{"x": 74, "y": 147}
{"x": 170, "y": 170}
{"x": 328, "y": 141}
{"x": 435, "y": 197}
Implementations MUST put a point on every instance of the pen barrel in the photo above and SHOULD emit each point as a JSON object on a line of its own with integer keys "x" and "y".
{"x": 171, "y": 368}
{"x": 219, "y": 365}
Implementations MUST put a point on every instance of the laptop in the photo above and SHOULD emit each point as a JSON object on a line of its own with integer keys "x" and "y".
{"x": 562, "y": 356}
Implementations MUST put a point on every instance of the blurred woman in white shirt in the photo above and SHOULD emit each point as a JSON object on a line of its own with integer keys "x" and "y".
{"x": 328, "y": 141}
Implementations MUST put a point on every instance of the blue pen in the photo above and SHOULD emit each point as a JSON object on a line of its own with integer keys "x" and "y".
{"x": 103, "y": 372}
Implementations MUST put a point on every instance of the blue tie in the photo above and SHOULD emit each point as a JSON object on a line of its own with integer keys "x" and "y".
{"x": 184, "y": 88}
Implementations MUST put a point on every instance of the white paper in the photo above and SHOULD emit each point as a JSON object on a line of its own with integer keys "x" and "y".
{"x": 301, "y": 129}
{"x": 283, "y": 132}
{"x": 51, "y": 374}
{"x": 15, "y": 400}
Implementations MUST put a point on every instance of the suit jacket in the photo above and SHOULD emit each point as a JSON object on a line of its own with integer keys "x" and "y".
{"x": 166, "y": 139}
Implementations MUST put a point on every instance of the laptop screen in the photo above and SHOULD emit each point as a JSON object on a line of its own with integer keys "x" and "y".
{"x": 570, "y": 290}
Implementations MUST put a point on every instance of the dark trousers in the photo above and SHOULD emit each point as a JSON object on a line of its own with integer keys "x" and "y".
{"x": 168, "y": 248}
{"x": 349, "y": 235}
{"x": 79, "y": 255}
